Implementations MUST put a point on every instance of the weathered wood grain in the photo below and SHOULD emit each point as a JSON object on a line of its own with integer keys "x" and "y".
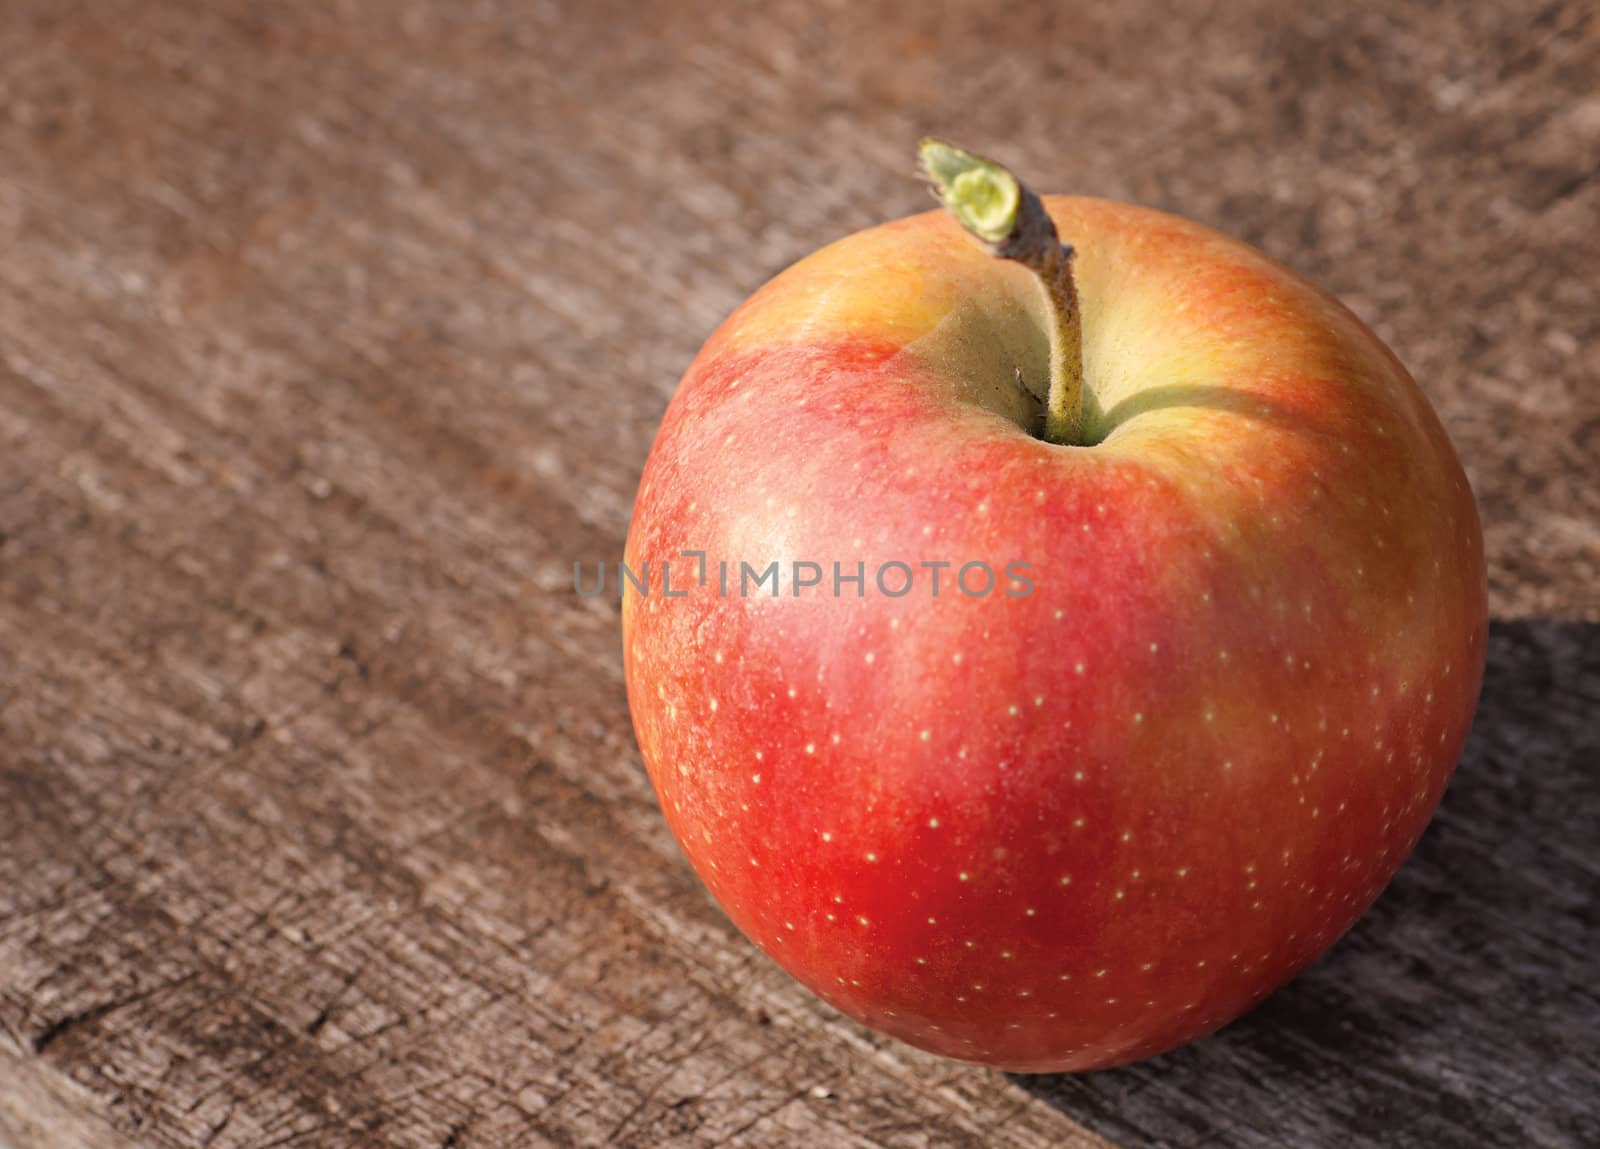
{"x": 331, "y": 333}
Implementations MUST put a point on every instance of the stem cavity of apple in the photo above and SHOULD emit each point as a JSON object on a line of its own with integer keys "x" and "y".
{"x": 1002, "y": 213}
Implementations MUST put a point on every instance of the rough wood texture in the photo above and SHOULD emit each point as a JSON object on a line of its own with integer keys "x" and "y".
{"x": 331, "y": 333}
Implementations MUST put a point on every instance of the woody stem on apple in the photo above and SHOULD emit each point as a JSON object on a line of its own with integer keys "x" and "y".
{"x": 1009, "y": 219}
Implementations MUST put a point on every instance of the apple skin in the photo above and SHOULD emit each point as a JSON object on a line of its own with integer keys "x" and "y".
{"x": 1074, "y": 828}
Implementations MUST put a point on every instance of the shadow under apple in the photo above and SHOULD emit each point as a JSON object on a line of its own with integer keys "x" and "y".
{"x": 1463, "y": 1009}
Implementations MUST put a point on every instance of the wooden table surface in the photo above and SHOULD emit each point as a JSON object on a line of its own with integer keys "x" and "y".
{"x": 333, "y": 331}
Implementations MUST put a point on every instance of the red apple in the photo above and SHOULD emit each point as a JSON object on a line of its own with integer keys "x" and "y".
{"x": 1118, "y": 799}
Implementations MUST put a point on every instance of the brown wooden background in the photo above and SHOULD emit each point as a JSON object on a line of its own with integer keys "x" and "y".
{"x": 333, "y": 331}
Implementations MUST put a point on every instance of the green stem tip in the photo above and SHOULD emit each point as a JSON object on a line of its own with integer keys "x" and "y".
{"x": 980, "y": 193}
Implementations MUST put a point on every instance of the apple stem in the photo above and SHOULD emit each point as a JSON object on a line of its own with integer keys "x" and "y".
{"x": 1010, "y": 221}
